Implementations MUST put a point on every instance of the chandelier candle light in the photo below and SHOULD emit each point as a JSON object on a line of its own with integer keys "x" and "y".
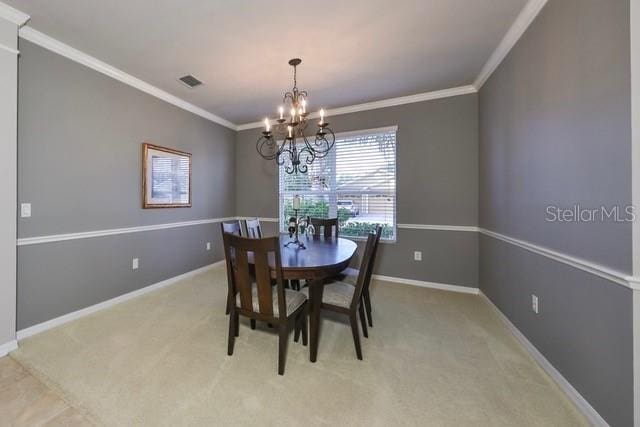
{"x": 287, "y": 142}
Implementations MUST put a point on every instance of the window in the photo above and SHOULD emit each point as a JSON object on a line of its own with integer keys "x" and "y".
{"x": 355, "y": 182}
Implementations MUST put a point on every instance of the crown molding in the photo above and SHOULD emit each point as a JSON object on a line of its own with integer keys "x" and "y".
{"x": 80, "y": 57}
{"x": 13, "y": 15}
{"x": 519, "y": 26}
{"x": 391, "y": 102}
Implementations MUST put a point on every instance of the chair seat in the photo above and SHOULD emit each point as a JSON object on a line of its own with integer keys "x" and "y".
{"x": 336, "y": 293}
{"x": 293, "y": 299}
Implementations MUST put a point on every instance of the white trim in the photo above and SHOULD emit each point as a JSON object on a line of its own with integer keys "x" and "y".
{"x": 67, "y": 51}
{"x": 634, "y": 15}
{"x": 49, "y": 324}
{"x": 579, "y": 263}
{"x": 618, "y": 277}
{"x": 374, "y": 131}
{"x": 517, "y": 29}
{"x": 431, "y": 285}
{"x": 467, "y": 228}
{"x": 581, "y": 403}
{"x": 13, "y": 15}
{"x": 391, "y": 102}
{"x": 9, "y": 49}
{"x": 8, "y": 347}
{"x": 420, "y": 283}
{"x": 25, "y": 241}
{"x": 636, "y": 355}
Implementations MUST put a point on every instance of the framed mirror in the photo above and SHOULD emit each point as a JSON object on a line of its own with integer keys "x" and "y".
{"x": 166, "y": 177}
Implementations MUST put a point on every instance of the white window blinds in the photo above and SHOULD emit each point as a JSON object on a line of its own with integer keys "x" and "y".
{"x": 355, "y": 182}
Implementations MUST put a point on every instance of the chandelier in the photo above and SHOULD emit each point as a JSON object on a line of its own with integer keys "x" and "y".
{"x": 287, "y": 142}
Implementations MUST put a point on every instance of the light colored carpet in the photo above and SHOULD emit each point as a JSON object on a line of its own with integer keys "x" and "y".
{"x": 433, "y": 358}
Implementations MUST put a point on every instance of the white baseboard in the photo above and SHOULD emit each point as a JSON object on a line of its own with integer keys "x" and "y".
{"x": 8, "y": 347}
{"x": 432, "y": 285}
{"x": 41, "y": 327}
{"x": 581, "y": 403}
{"x": 420, "y": 283}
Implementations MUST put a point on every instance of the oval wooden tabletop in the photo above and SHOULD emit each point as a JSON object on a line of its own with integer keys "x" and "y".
{"x": 322, "y": 257}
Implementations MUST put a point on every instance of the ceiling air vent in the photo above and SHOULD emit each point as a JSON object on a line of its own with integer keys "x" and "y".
{"x": 190, "y": 81}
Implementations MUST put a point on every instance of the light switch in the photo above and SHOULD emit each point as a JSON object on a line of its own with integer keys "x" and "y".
{"x": 25, "y": 210}
{"x": 208, "y": 246}
{"x": 417, "y": 256}
{"x": 134, "y": 264}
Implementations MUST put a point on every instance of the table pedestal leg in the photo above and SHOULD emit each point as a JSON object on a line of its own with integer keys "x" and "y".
{"x": 315, "y": 292}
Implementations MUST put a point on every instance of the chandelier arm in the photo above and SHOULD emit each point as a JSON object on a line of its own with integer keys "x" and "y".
{"x": 310, "y": 155}
{"x": 322, "y": 145}
{"x": 266, "y": 145}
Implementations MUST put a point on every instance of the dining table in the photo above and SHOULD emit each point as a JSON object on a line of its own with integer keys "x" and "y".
{"x": 320, "y": 259}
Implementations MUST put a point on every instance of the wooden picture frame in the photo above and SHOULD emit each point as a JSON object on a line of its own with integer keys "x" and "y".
{"x": 166, "y": 177}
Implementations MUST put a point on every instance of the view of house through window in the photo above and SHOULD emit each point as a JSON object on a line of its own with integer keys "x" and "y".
{"x": 355, "y": 182}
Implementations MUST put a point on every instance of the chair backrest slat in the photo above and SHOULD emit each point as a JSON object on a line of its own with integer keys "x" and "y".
{"x": 364, "y": 268}
{"x": 264, "y": 255}
{"x": 242, "y": 279}
{"x": 232, "y": 227}
{"x": 254, "y": 230}
{"x": 329, "y": 226}
{"x": 263, "y": 276}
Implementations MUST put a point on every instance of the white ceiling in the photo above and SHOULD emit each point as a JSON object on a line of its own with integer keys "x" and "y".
{"x": 353, "y": 51}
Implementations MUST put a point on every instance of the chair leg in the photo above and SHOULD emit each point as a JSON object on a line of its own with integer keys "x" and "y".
{"x": 236, "y": 322}
{"x": 305, "y": 313}
{"x": 363, "y": 321}
{"x": 232, "y": 334}
{"x": 253, "y": 323}
{"x": 367, "y": 304}
{"x": 282, "y": 346}
{"x": 353, "y": 319}
{"x": 228, "y": 308}
{"x": 298, "y": 325}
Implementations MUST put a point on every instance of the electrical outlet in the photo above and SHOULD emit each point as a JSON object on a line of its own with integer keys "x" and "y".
{"x": 134, "y": 264}
{"x": 534, "y": 304}
{"x": 208, "y": 246}
{"x": 25, "y": 210}
{"x": 417, "y": 256}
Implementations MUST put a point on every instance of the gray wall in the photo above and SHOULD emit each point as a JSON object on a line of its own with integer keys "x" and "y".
{"x": 437, "y": 174}
{"x": 555, "y": 130}
{"x": 8, "y": 159}
{"x": 80, "y": 136}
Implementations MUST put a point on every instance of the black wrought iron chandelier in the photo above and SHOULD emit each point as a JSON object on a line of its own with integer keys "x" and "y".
{"x": 286, "y": 141}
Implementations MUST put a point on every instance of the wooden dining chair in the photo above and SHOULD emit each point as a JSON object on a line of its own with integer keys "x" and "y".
{"x": 329, "y": 226}
{"x": 233, "y": 227}
{"x": 255, "y": 297}
{"x": 351, "y": 279}
{"x": 366, "y": 296}
{"x": 345, "y": 298}
{"x": 254, "y": 230}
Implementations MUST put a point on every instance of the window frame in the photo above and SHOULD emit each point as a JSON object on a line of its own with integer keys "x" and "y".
{"x": 329, "y": 194}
